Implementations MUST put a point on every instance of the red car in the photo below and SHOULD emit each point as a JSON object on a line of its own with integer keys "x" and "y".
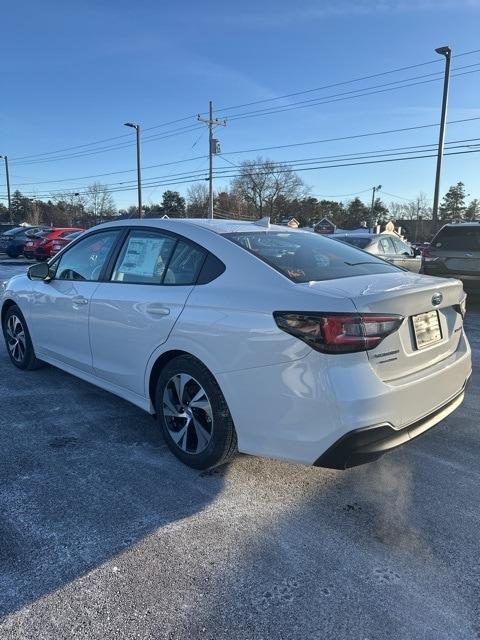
{"x": 41, "y": 246}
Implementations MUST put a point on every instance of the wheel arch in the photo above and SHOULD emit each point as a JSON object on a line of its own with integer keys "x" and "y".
{"x": 159, "y": 364}
{"x": 6, "y": 306}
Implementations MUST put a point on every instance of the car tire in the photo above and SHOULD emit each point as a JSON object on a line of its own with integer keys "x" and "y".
{"x": 13, "y": 254}
{"x": 18, "y": 342}
{"x": 194, "y": 415}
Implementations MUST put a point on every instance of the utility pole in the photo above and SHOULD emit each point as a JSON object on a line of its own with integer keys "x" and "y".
{"x": 447, "y": 52}
{"x": 8, "y": 187}
{"x": 374, "y": 190}
{"x": 212, "y": 149}
{"x": 139, "y": 170}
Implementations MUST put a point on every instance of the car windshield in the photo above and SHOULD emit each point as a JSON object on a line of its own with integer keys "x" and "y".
{"x": 355, "y": 241}
{"x": 458, "y": 239}
{"x": 307, "y": 257}
{"x": 14, "y": 232}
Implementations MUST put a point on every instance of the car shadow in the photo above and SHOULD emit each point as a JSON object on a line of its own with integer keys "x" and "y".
{"x": 83, "y": 475}
{"x": 386, "y": 550}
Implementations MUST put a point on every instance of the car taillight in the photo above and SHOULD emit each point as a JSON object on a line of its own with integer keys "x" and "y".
{"x": 427, "y": 255}
{"x": 338, "y": 333}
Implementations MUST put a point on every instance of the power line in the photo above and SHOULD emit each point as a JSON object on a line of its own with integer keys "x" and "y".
{"x": 239, "y": 106}
{"x": 349, "y": 137}
{"x": 89, "y": 144}
{"x": 343, "y": 82}
{"x": 292, "y": 163}
{"x": 271, "y": 148}
{"x": 332, "y": 166}
{"x": 84, "y": 154}
{"x": 309, "y": 103}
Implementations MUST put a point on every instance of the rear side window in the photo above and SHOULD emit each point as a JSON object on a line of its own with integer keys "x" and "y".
{"x": 306, "y": 257}
{"x": 458, "y": 239}
{"x": 356, "y": 241}
{"x": 401, "y": 247}
{"x": 185, "y": 264}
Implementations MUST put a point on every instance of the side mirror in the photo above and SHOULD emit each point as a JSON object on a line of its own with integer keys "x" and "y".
{"x": 407, "y": 254}
{"x": 40, "y": 271}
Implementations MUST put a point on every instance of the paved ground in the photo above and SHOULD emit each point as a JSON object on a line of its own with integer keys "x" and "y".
{"x": 103, "y": 534}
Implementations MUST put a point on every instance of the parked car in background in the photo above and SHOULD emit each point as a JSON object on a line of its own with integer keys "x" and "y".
{"x": 33, "y": 241}
{"x": 43, "y": 245}
{"x": 385, "y": 246}
{"x": 282, "y": 340}
{"x": 59, "y": 243}
{"x": 13, "y": 242}
{"x": 455, "y": 253}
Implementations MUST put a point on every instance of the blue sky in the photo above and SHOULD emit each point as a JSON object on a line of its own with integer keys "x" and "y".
{"x": 72, "y": 74}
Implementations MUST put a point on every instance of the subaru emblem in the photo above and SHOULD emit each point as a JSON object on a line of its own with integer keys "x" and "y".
{"x": 437, "y": 299}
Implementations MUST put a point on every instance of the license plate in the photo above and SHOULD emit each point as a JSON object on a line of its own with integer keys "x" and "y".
{"x": 427, "y": 329}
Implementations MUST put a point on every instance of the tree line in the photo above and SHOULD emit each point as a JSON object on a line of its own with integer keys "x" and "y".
{"x": 260, "y": 188}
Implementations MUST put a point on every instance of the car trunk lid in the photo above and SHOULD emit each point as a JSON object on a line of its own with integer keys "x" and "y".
{"x": 422, "y": 340}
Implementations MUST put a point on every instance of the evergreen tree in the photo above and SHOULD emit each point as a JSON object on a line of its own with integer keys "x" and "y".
{"x": 472, "y": 212}
{"x": 173, "y": 204}
{"x": 453, "y": 204}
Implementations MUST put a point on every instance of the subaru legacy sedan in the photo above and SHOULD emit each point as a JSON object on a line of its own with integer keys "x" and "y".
{"x": 245, "y": 336}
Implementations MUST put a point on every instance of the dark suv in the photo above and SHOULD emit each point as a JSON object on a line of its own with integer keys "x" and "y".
{"x": 455, "y": 253}
{"x": 12, "y": 242}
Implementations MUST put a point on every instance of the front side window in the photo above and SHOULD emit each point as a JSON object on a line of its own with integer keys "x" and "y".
{"x": 85, "y": 260}
{"x": 306, "y": 257}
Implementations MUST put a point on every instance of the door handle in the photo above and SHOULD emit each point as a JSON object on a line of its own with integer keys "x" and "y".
{"x": 158, "y": 310}
{"x": 79, "y": 300}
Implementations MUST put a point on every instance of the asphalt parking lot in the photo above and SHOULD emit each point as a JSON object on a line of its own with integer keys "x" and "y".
{"x": 103, "y": 534}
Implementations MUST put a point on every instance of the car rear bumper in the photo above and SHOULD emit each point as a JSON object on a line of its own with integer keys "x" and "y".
{"x": 368, "y": 444}
{"x": 301, "y": 410}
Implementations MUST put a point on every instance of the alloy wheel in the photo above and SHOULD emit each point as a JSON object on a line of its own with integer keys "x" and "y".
{"x": 188, "y": 413}
{"x": 16, "y": 340}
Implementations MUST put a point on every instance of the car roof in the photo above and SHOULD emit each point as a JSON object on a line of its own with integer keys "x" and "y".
{"x": 462, "y": 225}
{"x": 217, "y": 226}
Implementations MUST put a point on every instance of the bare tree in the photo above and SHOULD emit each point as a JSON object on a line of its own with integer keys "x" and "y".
{"x": 197, "y": 200}
{"x": 70, "y": 205}
{"x": 99, "y": 201}
{"x": 264, "y": 183}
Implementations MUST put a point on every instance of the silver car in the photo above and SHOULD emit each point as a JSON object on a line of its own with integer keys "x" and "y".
{"x": 385, "y": 246}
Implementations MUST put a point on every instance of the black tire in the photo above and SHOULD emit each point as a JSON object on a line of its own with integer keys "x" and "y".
{"x": 215, "y": 421}
{"x": 13, "y": 254}
{"x": 14, "y": 326}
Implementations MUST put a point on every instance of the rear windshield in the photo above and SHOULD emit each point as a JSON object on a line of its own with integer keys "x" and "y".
{"x": 458, "y": 239}
{"x": 306, "y": 257}
{"x": 355, "y": 241}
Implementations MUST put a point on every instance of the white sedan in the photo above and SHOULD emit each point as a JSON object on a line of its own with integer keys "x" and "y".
{"x": 247, "y": 336}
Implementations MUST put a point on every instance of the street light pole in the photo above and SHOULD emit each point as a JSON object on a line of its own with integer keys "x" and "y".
{"x": 8, "y": 187}
{"x": 139, "y": 171}
{"x": 447, "y": 52}
{"x": 374, "y": 190}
